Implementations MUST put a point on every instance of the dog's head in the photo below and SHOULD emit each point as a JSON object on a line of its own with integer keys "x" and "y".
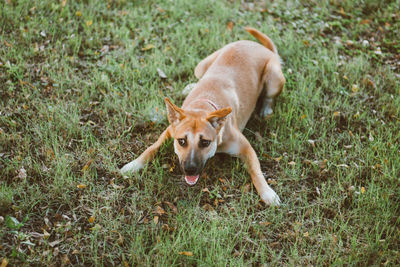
{"x": 195, "y": 136}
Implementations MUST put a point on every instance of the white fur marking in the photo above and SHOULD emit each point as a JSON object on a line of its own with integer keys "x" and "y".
{"x": 132, "y": 166}
{"x": 212, "y": 151}
{"x": 233, "y": 149}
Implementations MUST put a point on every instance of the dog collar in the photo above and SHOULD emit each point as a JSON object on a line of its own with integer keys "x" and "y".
{"x": 208, "y": 101}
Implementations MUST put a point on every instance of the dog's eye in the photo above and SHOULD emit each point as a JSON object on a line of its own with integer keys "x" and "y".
{"x": 204, "y": 143}
{"x": 182, "y": 141}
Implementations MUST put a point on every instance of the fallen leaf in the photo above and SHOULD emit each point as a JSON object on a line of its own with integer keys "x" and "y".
{"x": 205, "y": 190}
{"x": 81, "y": 186}
{"x": 4, "y": 262}
{"x": 336, "y": 113}
{"x": 161, "y": 73}
{"x": 343, "y": 165}
{"x": 7, "y": 44}
{"x": 362, "y": 190}
{"x": 46, "y": 234}
{"x": 148, "y": 47}
{"x": 292, "y": 163}
{"x": 155, "y": 220}
{"x": 91, "y": 219}
{"x": 87, "y": 165}
{"x": 246, "y": 188}
{"x": 95, "y": 227}
{"x": 159, "y": 210}
{"x": 365, "y": 21}
{"x": 55, "y": 243}
{"x": 172, "y": 207}
{"x": 265, "y": 223}
{"x": 78, "y": 13}
{"x": 65, "y": 260}
{"x": 126, "y": 264}
{"x": 306, "y": 234}
{"x": 278, "y": 159}
{"x": 22, "y": 173}
{"x": 208, "y": 207}
{"x": 312, "y": 142}
{"x": 186, "y": 253}
{"x": 230, "y": 25}
{"x": 89, "y": 23}
{"x": 272, "y": 181}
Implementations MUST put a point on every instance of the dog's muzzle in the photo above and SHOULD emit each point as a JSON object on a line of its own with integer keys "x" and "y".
{"x": 192, "y": 172}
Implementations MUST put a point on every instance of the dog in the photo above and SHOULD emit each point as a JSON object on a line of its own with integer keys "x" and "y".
{"x": 232, "y": 80}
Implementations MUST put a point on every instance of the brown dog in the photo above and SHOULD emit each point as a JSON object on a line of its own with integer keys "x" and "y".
{"x": 217, "y": 109}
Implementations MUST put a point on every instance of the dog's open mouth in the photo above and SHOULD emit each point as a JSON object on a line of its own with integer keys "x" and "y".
{"x": 191, "y": 180}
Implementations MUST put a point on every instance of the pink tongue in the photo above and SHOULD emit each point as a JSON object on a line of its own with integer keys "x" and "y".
{"x": 191, "y": 179}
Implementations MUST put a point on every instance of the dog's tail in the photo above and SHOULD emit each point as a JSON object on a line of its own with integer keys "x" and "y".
{"x": 264, "y": 39}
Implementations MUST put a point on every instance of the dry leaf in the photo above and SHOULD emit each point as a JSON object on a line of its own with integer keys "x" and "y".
{"x": 46, "y": 234}
{"x": 336, "y": 113}
{"x": 343, "y": 165}
{"x": 303, "y": 117}
{"x": 78, "y": 13}
{"x": 22, "y": 173}
{"x": 306, "y": 234}
{"x": 265, "y": 223}
{"x": 272, "y": 181}
{"x": 229, "y": 26}
{"x": 87, "y": 165}
{"x": 159, "y": 210}
{"x": 126, "y": 264}
{"x": 278, "y": 159}
{"x": 4, "y": 262}
{"x": 362, "y": 190}
{"x": 155, "y": 220}
{"x": 95, "y": 227}
{"x": 91, "y": 219}
{"x": 89, "y": 23}
{"x": 65, "y": 259}
{"x": 81, "y": 186}
{"x": 55, "y": 243}
{"x": 246, "y": 188}
{"x": 312, "y": 142}
{"x": 205, "y": 190}
{"x": 292, "y": 163}
{"x": 186, "y": 253}
{"x": 208, "y": 207}
{"x": 148, "y": 47}
{"x": 172, "y": 207}
{"x": 161, "y": 73}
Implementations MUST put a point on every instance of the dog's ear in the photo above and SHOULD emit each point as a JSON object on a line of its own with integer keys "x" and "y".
{"x": 175, "y": 113}
{"x": 217, "y": 118}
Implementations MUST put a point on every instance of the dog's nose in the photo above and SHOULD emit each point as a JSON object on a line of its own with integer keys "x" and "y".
{"x": 190, "y": 169}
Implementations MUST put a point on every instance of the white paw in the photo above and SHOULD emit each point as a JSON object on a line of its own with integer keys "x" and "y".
{"x": 270, "y": 197}
{"x": 132, "y": 166}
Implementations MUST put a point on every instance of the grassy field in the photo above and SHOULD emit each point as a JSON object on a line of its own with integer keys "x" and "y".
{"x": 82, "y": 86}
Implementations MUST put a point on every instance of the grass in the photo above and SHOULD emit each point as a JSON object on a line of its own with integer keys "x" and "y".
{"x": 81, "y": 96}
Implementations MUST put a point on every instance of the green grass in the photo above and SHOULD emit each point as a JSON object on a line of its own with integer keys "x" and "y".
{"x": 79, "y": 92}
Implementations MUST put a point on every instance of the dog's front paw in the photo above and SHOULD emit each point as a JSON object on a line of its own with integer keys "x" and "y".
{"x": 270, "y": 198}
{"x": 131, "y": 167}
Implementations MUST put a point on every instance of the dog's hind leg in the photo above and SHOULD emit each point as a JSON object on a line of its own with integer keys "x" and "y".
{"x": 273, "y": 81}
{"x": 203, "y": 65}
{"x": 147, "y": 155}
